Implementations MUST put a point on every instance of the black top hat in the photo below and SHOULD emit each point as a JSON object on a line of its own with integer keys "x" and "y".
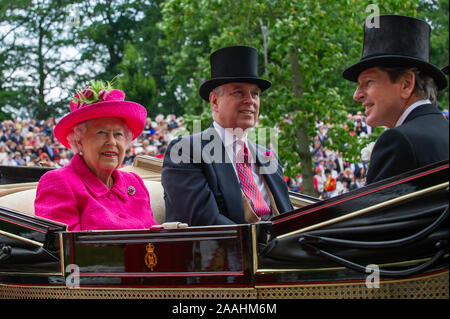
{"x": 233, "y": 64}
{"x": 399, "y": 41}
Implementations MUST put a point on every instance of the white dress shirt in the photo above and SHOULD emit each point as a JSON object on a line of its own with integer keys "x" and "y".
{"x": 232, "y": 148}
{"x": 410, "y": 108}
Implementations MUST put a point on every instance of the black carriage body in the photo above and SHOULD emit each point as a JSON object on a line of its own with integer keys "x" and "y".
{"x": 399, "y": 224}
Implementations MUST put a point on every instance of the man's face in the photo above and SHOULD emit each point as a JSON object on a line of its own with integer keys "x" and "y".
{"x": 238, "y": 106}
{"x": 380, "y": 97}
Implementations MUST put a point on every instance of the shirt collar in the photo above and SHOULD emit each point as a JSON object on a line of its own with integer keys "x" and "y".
{"x": 408, "y": 111}
{"x": 229, "y": 142}
{"x": 228, "y": 138}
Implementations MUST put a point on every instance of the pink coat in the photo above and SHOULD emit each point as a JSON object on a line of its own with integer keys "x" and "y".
{"x": 74, "y": 196}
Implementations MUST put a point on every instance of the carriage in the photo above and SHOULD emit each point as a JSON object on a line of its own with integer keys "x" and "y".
{"x": 385, "y": 240}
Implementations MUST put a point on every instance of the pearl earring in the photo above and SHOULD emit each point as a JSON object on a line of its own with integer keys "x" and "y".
{"x": 81, "y": 153}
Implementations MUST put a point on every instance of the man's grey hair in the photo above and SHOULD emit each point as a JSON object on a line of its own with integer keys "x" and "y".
{"x": 425, "y": 86}
{"x": 218, "y": 90}
{"x": 80, "y": 129}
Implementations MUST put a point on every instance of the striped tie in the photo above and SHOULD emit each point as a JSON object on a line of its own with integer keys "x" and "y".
{"x": 248, "y": 185}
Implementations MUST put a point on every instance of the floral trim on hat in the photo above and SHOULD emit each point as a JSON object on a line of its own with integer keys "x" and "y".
{"x": 97, "y": 91}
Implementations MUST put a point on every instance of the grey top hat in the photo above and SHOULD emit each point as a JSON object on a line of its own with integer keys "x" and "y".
{"x": 399, "y": 41}
{"x": 233, "y": 64}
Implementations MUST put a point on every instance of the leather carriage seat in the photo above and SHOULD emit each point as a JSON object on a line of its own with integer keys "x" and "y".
{"x": 23, "y": 200}
{"x": 157, "y": 204}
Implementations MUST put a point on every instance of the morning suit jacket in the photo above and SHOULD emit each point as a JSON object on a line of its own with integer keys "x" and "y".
{"x": 422, "y": 139}
{"x": 201, "y": 186}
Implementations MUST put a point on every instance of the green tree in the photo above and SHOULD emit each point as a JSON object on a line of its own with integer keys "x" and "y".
{"x": 305, "y": 46}
{"x": 8, "y": 62}
{"x": 147, "y": 42}
{"x": 138, "y": 85}
{"x": 436, "y": 13}
{"x": 105, "y": 28}
{"x": 111, "y": 34}
{"x": 40, "y": 63}
{"x": 188, "y": 27}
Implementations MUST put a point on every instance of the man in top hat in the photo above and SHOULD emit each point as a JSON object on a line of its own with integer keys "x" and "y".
{"x": 218, "y": 176}
{"x": 398, "y": 87}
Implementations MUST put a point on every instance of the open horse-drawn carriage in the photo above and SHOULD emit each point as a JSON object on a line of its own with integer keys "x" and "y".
{"x": 386, "y": 240}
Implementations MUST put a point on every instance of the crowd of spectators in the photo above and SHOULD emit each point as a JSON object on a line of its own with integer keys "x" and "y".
{"x": 32, "y": 143}
{"x": 334, "y": 175}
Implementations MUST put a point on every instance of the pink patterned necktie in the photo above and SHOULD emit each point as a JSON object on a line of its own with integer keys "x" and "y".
{"x": 248, "y": 185}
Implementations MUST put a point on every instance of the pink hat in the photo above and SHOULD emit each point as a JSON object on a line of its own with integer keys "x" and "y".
{"x": 101, "y": 101}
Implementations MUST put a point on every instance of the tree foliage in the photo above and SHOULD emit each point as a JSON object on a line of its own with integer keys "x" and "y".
{"x": 308, "y": 43}
{"x": 436, "y": 13}
{"x": 138, "y": 85}
{"x": 39, "y": 63}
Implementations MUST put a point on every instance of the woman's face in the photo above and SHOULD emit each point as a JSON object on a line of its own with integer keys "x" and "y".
{"x": 103, "y": 145}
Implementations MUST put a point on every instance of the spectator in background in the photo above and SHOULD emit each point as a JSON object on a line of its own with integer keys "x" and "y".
{"x": 330, "y": 184}
{"x": 318, "y": 181}
{"x": 129, "y": 158}
{"x": 172, "y": 121}
{"x": 16, "y": 137}
{"x": 359, "y": 129}
{"x": 360, "y": 177}
{"x": 342, "y": 185}
{"x": 161, "y": 152}
{"x": 5, "y": 135}
{"x": 18, "y": 158}
{"x": 148, "y": 128}
{"x": 9, "y": 160}
{"x": 47, "y": 148}
{"x": 3, "y": 153}
{"x": 63, "y": 160}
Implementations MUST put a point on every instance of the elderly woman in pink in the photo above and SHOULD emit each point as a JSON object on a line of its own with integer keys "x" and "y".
{"x": 90, "y": 193}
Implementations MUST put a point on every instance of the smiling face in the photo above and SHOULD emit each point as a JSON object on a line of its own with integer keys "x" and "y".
{"x": 383, "y": 100}
{"x": 103, "y": 146}
{"x": 237, "y": 106}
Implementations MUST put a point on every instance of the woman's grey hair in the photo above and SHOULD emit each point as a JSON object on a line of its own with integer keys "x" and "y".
{"x": 78, "y": 131}
{"x": 425, "y": 87}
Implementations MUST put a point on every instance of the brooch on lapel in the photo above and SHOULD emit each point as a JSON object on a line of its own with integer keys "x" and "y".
{"x": 131, "y": 190}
